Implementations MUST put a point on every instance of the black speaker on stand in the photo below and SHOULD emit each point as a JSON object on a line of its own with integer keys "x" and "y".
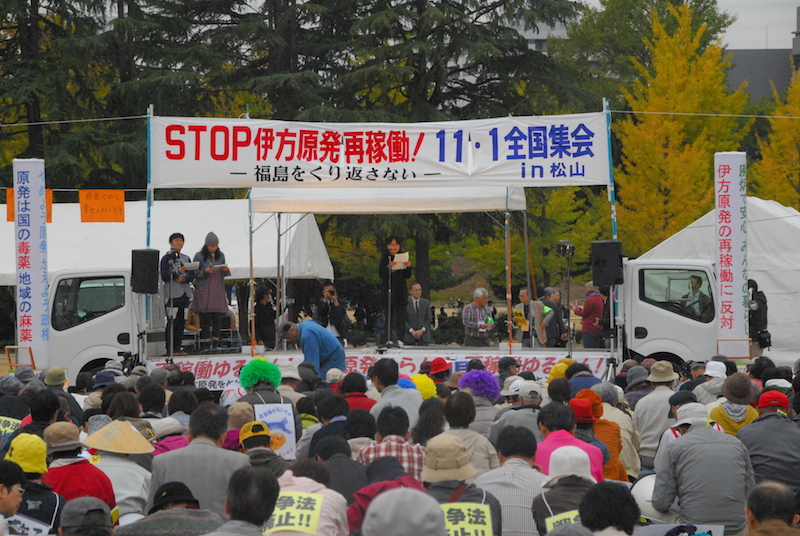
{"x": 607, "y": 262}
{"x": 144, "y": 271}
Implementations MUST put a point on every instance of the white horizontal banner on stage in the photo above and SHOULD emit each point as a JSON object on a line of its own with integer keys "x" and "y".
{"x": 562, "y": 150}
{"x": 220, "y": 373}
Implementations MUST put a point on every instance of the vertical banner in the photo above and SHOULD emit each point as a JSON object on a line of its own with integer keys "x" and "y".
{"x": 730, "y": 196}
{"x": 30, "y": 218}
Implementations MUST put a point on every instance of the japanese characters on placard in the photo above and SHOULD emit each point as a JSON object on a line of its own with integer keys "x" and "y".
{"x": 730, "y": 194}
{"x": 30, "y": 226}
{"x": 516, "y": 151}
{"x": 222, "y": 373}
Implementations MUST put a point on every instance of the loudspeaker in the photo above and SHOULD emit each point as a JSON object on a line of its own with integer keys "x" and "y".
{"x": 607, "y": 262}
{"x": 144, "y": 271}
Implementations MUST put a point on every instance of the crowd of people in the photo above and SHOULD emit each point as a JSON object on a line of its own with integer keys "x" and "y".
{"x": 697, "y": 445}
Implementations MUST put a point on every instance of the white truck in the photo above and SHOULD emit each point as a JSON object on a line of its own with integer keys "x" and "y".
{"x": 95, "y": 316}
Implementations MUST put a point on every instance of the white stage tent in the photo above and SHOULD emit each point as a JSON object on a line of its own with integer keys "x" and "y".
{"x": 773, "y": 260}
{"x": 76, "y": 245}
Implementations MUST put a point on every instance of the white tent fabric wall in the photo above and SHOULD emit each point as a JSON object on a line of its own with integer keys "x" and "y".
{"x": 385, "y": 201}
{"x": 773, "y": 260}
{"x": 75, "y": 245}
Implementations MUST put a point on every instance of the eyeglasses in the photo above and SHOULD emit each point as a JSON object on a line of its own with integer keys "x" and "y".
{"x": 18, "y": 488}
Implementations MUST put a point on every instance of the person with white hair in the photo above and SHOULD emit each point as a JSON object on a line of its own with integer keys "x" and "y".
{"x": 708, "y": 472}
{"x": 476, "y": 318}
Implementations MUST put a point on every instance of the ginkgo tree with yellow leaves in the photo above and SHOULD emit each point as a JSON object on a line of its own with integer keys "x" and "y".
{"x": 777, "y": 175}
{"x": 665, "y": 180}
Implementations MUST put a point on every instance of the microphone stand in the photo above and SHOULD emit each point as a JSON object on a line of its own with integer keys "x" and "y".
{"x": 389, "y": 325}
{"x": 170, "y": 311}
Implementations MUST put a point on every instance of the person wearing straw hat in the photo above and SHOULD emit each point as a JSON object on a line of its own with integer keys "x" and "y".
{"x": 652, "y": 415}
{"x": 708, "y": 472}
{"x": 115, "y": 443}
{"x": 39, "y": 501}
{"x": 447, "y": 467}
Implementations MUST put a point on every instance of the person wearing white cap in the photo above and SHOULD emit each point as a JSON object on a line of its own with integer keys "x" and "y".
{"x": 708, "y": 472}
{"x": 570, "y": 479}
{"x": 290, "y": 378}
{"x": 708, "y": 391}
{"x": 389, "y": 514}
{"x": 652, "y": 415}
{"x": 525, "y": 413}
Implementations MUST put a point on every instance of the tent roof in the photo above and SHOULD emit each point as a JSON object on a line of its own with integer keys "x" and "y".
{"x": 773, "y": 259}
{"x": 382, "y": 201}
{"x": 76, "y": 245}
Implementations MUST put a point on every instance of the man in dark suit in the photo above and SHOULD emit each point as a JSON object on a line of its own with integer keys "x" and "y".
{"x": 418, "y": 318}
{"x": 698, "y": 302}
{"x": 204, "y": 466}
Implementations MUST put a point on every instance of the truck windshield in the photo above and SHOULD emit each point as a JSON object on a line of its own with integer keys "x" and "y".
{"x": 81, "y": 299}
{"x": 683, "y": 292}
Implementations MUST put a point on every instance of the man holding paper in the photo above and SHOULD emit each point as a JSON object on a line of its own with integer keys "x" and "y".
{"x": 177, "y": 291}
{"x": 529, "y": 317}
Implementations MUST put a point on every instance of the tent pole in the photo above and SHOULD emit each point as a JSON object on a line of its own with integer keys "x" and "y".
{"x": 612, "y": 197}
{"x": 508, "y": 274}
{"x": 251, "y": 312}
{"x": 278, "y": 288}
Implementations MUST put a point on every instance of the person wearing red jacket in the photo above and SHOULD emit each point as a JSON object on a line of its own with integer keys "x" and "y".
{"x": 352, "y": 388}
{"x": 591, "y": 312}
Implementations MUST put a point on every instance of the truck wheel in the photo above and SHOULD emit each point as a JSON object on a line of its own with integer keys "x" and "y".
{"x": 94, "y": 364}
{"x": 666, "y": 356}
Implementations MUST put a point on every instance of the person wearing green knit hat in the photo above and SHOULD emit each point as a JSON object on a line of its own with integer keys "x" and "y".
{"x": 261, "y": 378}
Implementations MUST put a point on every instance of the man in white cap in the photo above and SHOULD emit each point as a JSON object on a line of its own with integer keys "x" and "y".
{"x": 711, "y": 389}
{"x": 652, "y": 415}
{"x": 389, "y": 514}
{"x": 708, "y": 472}
{"x": 290, "y": 377}
{"x": 570, "y": 479}
{"x": 525, "y": 413}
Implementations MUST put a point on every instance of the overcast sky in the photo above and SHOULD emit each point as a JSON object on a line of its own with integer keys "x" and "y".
{"x": 760, "y": 23}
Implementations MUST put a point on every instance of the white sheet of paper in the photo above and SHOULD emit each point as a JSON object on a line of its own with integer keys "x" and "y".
{"x": 400, "y": 259}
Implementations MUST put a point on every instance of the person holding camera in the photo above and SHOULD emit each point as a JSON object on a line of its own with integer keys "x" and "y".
{"x": 331, "y": 314}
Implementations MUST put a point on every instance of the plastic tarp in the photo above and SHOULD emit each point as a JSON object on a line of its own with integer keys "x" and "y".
{"x": 381, "y": 201}
{"x": 75, "y": 245}
{"x": 773, "y": 260}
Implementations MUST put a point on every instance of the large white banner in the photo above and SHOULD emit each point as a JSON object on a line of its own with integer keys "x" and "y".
{"x": 30, "y": 226}
{"x": 563, "y": 150}
{"x": 730, "y": 193}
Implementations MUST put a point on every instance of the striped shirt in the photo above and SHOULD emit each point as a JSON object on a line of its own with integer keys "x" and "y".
{"x": 515, "y": 484}
{"x": 472, "y": 317}
{"x": 410, "y": 455}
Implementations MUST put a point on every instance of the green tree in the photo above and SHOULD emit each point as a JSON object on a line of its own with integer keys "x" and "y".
{"x": 665, "y": 179}
{"x": 777, "y": 175}
{"x": 605, "y": 46}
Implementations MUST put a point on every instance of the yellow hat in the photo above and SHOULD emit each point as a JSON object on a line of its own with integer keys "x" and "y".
{"x": 559, "y": 370}
{"x": 253, "y": 429}
{"x": 29, "y": 451}
{"x": 120, "y": 437}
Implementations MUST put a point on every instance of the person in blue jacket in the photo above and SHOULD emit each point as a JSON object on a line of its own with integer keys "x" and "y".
{"x": 319, "y": 345}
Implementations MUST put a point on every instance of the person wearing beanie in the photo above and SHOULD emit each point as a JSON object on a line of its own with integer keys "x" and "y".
{"x": 39, "y": 501}
{"x": 629, "y": 435}
{"x": 261, "y": 379}
{"x": 388, "y": 514}
{"x": 447, "y": 468}
{"x": 772, "y": 440}
{"x": 607, "y": 432}
{"x": 708, "y": 472}
{"x": 210, "y": 299}
{"x": 177, "y": 291}
{"x": 736, "y": 411}
{"x": 637, "y": 385}
{"x": 175, "y": 512}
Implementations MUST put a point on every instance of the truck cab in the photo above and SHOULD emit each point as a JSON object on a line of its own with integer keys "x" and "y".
{"x": 94, "y": 317}
{"x": 668, "y": 310}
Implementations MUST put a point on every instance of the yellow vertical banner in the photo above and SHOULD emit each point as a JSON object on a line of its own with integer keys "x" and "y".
{"x": 48, "y": 193}
{"x": 102, "y": 206}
